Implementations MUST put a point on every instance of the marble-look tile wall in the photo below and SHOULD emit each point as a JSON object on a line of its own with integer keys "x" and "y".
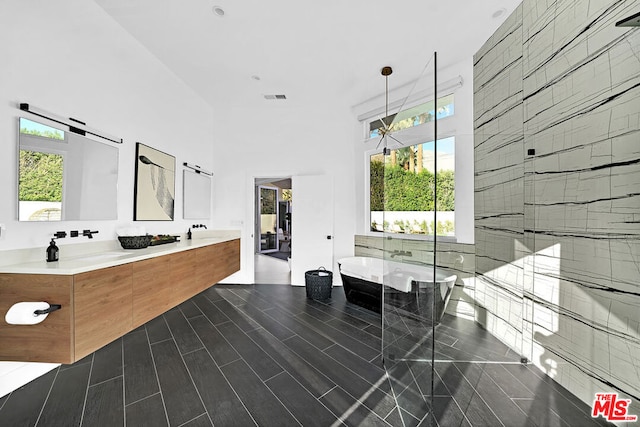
{"x": 456, "y": 257}
{"x": 499, "y": 185}
{"x": 558, "y": 229}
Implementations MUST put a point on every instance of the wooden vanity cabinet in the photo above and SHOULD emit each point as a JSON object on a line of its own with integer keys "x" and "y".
{"x": 183, "y": 268}
{"x": 216, "y": 262}
{"x": 102, "y": 305}
{"x": 49, "y": 341}
{"x": 152, "y": 289}
{"x": 103, "y": 308}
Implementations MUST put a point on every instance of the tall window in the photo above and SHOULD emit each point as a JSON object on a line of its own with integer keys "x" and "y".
{"x": 412, "y": 188}
{"x": 401, "y": 189}
{"x": 40, "y": 185}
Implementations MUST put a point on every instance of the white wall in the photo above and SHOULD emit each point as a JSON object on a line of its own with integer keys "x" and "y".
{"x": 68, "y": 57}
{"x": 462, "y": 129}
{"x": 282, "y": 140}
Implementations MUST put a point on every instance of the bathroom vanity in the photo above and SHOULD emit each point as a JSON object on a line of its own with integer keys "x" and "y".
{"x": 105, "y": 295}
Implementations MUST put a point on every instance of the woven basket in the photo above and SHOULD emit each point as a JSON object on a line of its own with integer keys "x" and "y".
{"x": 135, "y": 242}
{"x": 318, "y": 284}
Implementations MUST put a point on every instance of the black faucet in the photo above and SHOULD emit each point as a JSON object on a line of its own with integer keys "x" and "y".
{"x": 89, "y": 233}
{"x": 199, "y": 226}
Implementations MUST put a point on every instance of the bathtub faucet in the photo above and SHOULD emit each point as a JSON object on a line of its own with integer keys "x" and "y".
{"x": 400, "y": 253}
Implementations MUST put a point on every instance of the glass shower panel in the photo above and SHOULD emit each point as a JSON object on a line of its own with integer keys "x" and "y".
{"x": 449, "y": 309}
{"x": 407, "y": 294}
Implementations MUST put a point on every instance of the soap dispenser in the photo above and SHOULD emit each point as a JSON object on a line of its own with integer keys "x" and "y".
{"x": 52, "y": 252}
{"x": 189, "y": 234}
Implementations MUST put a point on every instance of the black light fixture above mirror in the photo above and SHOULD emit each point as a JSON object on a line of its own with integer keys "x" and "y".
{"x": 83, "y": 130}
{"x": 197, "y": 169}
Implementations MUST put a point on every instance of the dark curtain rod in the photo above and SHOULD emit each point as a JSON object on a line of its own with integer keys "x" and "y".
{"x": 81, "y": 131}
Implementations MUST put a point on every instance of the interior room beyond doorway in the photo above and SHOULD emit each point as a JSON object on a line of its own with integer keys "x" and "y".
{"x": 273, "y": 234}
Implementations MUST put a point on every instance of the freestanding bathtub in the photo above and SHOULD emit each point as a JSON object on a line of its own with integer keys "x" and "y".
{"x": 407, "y": 285}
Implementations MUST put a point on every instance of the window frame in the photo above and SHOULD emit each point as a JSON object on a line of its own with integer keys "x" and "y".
{"x": 409, "y": 136}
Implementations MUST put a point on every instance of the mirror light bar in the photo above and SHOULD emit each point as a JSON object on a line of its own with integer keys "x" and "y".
{"x": 77, "y": 126}
{"x": 197, "y": 169}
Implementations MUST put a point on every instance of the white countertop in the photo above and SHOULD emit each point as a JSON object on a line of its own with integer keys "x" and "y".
{"x": 115, "y": 255}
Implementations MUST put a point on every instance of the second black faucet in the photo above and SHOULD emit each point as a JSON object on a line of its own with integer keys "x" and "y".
{"x": 89, "y": 233}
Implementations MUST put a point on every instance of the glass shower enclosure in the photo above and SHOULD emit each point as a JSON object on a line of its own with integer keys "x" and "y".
{"x": 435, "y": 326}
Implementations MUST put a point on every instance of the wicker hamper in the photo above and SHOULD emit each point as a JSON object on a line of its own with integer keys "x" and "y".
{"x": 318, "y": 283}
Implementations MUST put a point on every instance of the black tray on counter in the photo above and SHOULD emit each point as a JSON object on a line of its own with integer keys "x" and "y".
{"x": 164, "y": 240}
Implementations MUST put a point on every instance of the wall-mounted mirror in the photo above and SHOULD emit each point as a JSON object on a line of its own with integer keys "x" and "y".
{"x": 197, "y": 195}
{"x": 64, "y": 176}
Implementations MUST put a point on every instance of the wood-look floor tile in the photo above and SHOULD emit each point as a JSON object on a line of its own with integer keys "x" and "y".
{"x": 305, "y": 373}
{"x": 267, "y": 322}
{"x": 261, "y": 363}
{"x": 372, "y": 396}
{"x": 107, "y": 362}
{"x": 349, "y": 410}
{"x": 183, "y": 334}
{"x": 501, "y": 405}
{"x": 201, "y": 421}
{"x": 243, "y": 321}
{"x": 212, "y": 312}
{"x": 300, "y": 328}
{"x": 189, "y": 309}
{"x": 147, "y": 412}
{"x": 222, "y": 403}
{"x": 313, "y": 364}
{"x": 105, "y": 404}
{"x": 302, "y": 404}
{"x": 140, "y": 378}
{"x": 66, "y": 400}
{"x": 448, "y": 413}
{"x": 563, "y": 403}
{"x": 157, "y": 330}
{"x": 509, "y": 383}
{"x": 178, "y": 391}
{"x": 371, "y": 372}
{"x": 256, "y": 396}
{"x": 221, "y": 351}
{"x": 22, "y": 407}
{"x": 474, "y": 407}
{"x": 367, "y": 350}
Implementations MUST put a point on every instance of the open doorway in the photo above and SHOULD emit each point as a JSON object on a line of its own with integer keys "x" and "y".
{"x": 273, "y": 230}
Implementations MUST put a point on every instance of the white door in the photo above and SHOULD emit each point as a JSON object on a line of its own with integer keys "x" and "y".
{"x": 311, "y": 225}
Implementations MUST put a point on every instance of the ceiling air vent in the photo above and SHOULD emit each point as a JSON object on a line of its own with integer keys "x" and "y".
{"x": 275, "y": 97}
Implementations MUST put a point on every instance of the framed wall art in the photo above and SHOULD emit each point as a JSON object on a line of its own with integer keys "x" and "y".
{"x": 154, "y": 191}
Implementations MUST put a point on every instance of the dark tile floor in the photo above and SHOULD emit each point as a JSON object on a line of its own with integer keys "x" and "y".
{"x": 265, "y": 355}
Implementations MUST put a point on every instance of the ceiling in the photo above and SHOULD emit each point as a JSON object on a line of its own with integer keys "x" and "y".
{"x": 310, "y": 51}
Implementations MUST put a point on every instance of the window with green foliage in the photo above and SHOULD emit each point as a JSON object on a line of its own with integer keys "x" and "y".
{"x": 41, "y": 172}
{"x": 40, "y": 177}
{"x": 401, "y": 189}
